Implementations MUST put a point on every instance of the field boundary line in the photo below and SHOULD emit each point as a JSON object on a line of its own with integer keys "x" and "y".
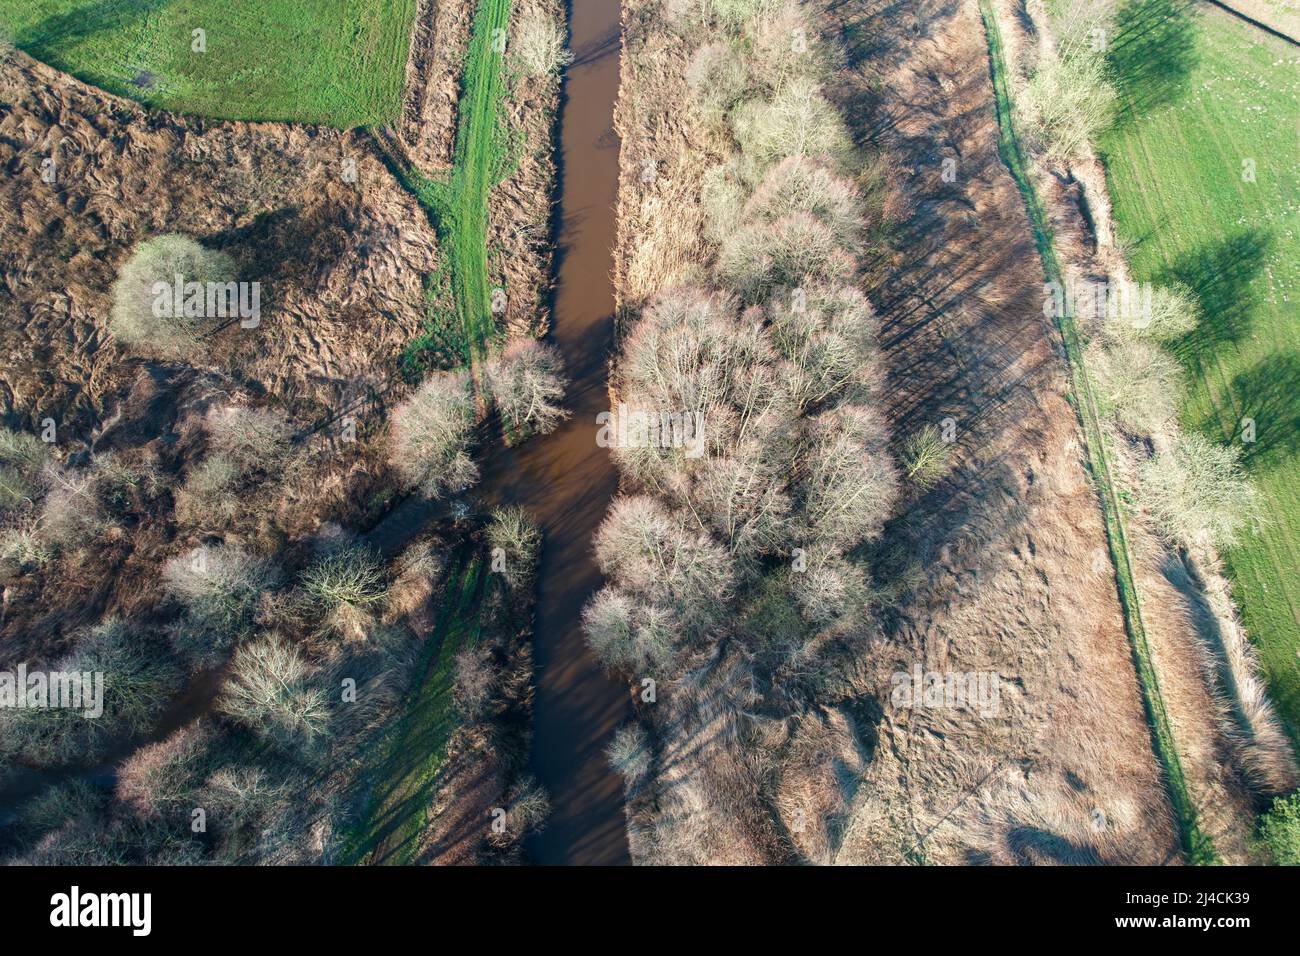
{"x": 1259, "y": 24}
{"x": 1196, "y": 843}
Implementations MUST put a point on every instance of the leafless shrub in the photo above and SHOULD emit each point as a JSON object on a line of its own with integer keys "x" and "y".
{"x": 527, "y": 810}
{"x": 742, "y": 496}
{"x": 430, "y": 434}
{"x": 538, "y": 47}
{"x": 850, "y": 482}
{"x": 651, "y": 553}
{"x": 164, "y": 777}
{"x": 797, "y": 121}
{"x": 249, "y": 438}
{"x": 782, "y": 46}
{"x": 719, "y": 78}
{"x": 135, "y": 321}
{"x": 796, "y": 250}
{"x": 208, "y": 495}
{"x": 1174, "y": 312}
{"x": 627, "y": 634}
{"x": 800, "y": 184}
{"x": 56, "y": 806}
{"x": 1081, "y": 26}
{"x": 629, "y": 753}
{"x": 219, "y": 588}
{"x": 1198, "y": 494}
{"x": 527, "y": 383}
{"x": 475, "y": 682}
{"x": 925, "y": 456}
{"x": 830, "y": 589}
{"x": 270, "y": 691}
{"x": 1066, "y": 104}
{"x": 1138, "y": 384}
{"x": 519, "y": 540}
{"x": 21, "y": 549}
{"x": 828, "y": 334}
{"x": 71, "y": 515}
{"x": 119, "y": 483}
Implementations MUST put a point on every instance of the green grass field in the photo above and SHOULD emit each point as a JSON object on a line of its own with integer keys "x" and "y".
{"x": 1202, "y": 95}
{"x": 340, "y": 62}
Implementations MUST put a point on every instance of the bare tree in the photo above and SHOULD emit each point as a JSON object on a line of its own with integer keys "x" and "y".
{"x": 537, "y": 46}
{"x": 652, "y": 553}
{"x": 849, "y": 483}
{"x": 250, "y": 438}
{"x": 270, "y": 691}
{"x": 519, "y": 539}
{"x": 828, "y": 334}
{"x": 796, "y": 250}
{"x": 1198, "y": 494}
{"x": 925, "y": 456}
{"x": 797, "y": 121}
{"x": 803, "y": 184}
{"x": 1137, "y": 383}
{"x": 1066, "y": 104}
{"x": 527, "y": 383}
{"x": 430, "y": 434}
{"x": 137, "y": 319}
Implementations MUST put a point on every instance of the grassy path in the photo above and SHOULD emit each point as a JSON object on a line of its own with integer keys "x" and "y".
{"x": 402, "y": 782}
{"x": 1196, "y": 843}
{"x": 459, "y": 206}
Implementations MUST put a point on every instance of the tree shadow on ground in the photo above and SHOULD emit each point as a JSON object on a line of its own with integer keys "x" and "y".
{"x": 1267, "y": 393}
{"x": 49, "y": 39}
{"x": 1221, "y": 274}
{"x": 1152, "y": 54}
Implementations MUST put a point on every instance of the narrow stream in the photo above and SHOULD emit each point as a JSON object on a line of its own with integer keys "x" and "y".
{"x": 565, "y": 480}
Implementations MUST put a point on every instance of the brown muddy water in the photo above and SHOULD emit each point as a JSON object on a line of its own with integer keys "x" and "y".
{"x": 566, "y": 480}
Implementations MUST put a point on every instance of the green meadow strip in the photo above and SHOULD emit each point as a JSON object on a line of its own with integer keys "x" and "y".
{"x": 459, "y": 207}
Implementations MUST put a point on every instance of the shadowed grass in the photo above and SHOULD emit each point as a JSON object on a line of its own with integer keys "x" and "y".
{"x": 401, "y": 784}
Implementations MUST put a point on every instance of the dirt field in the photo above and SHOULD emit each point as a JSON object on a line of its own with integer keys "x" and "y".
{"x": 340, "y": 265}
{"x": 1011, "y": 543}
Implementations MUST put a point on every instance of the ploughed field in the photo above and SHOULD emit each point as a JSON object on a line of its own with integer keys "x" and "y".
{"x": 311, "y": 61}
